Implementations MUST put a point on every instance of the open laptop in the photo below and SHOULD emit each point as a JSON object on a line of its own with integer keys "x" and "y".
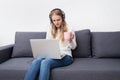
{"x": 45, "y": 48}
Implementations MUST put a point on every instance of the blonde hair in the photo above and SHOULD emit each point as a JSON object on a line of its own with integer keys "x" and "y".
{"x": 63, "y": 28}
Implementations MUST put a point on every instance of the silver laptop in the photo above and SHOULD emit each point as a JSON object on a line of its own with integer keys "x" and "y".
{"x": 45, "y": 48}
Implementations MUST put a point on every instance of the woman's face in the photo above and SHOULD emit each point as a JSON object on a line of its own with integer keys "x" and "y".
{"x": 57, "y": 20}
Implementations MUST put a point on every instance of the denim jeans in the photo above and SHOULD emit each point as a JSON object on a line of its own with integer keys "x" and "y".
{"x": 41, "y": 67}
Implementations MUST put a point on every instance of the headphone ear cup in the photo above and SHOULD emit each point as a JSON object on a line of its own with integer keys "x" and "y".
{"x": 50, "y": 19}
{"x": 63, "y": 15}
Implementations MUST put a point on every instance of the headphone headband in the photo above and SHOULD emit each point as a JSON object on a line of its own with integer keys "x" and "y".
{"x": 62, "y": 12}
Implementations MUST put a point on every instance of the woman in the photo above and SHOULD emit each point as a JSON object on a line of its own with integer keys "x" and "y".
{"x": 41, "y": 66}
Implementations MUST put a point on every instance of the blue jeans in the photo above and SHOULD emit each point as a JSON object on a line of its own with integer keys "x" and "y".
{"x": 41, "y": 67}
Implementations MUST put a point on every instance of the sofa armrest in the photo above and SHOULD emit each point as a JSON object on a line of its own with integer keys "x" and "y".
{"x": 5, "y": 52}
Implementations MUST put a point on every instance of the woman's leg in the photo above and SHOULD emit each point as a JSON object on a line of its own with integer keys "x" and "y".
{"x": 33, "y": 69}
{"x": 48, "y": 64}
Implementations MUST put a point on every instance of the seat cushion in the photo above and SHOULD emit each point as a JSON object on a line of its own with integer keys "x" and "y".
{"x": 14, "y": 69}
{"x": 22, "y": 47}
{"x": 106, "y": 44}
{"x": 81, "y": 68}
{"x": 83, "y": 49}
{"x": 89, "y": 69}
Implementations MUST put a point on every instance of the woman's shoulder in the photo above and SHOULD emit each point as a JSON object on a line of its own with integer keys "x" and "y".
{"x": 48, "y": 35}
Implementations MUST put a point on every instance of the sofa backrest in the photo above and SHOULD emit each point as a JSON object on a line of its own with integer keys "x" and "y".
{"x": 106, "y": 44}
{"x": 22, "y": 46}
{"x": 89, "y": 44}
{"x": 83, "y": 49}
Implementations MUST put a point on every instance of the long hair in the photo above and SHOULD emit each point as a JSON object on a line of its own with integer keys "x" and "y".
{"x": 63, "y": 27}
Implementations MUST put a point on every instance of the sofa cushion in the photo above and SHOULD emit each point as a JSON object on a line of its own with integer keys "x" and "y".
{"x": 14, "y": 68}
{"x": 83, "y": 48}
{"x": 22, "y": 47}
{"x": 89, "y": 69}
{"x": 106, "y": 44}
{"x": 81, "y": 68}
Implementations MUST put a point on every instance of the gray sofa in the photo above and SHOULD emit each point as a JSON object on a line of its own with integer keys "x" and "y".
{"x": 97, "y": 57}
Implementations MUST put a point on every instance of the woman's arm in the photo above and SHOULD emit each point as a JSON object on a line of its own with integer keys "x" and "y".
{"x": 72, "y": 43}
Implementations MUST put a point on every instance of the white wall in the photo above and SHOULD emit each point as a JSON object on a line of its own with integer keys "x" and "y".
{"x": 32, "y": 15}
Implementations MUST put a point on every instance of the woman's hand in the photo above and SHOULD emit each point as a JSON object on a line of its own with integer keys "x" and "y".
{"x": 71, "y": 37}
{"x": 68, "y": 36}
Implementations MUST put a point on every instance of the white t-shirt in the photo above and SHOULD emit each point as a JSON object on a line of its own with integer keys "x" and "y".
{"x": 65, "y": 48}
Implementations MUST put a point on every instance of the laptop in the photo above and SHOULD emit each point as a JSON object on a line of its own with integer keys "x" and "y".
{"x": 45, "y": 48}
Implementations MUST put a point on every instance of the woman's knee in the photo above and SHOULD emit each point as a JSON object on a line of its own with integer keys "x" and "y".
{"x": 37, "y": 60}
{"x": 68, "y": 60}
{"x": 46, "y": 61}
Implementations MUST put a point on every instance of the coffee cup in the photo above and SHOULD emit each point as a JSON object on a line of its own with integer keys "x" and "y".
{"x": 67, "y": 35}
